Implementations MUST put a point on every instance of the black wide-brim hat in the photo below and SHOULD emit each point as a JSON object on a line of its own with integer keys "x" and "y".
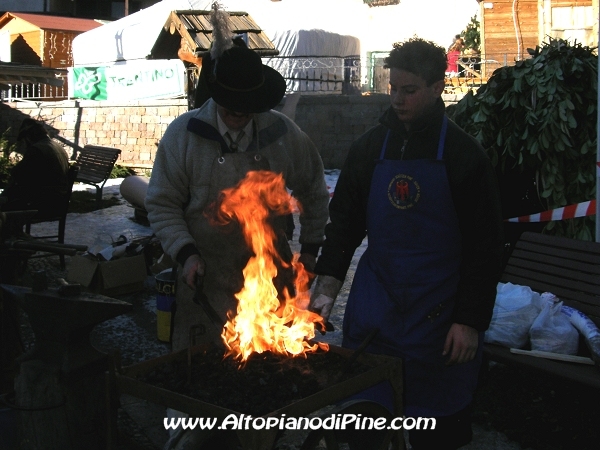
{"x": 240, "y": 82}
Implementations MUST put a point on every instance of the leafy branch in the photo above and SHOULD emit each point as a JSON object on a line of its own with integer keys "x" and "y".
{"x": 540, "y": 116}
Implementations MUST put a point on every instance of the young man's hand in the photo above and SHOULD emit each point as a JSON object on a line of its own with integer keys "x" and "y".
{"x": 308, "y": 261}
{"x": 322, "y": 305}
{"x": 461, "y": 344}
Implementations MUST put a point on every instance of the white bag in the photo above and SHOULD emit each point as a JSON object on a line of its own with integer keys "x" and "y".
{"x": 587, "y": 329}
{"x": 552, "y": 331}
{"x": 515, "y": 310}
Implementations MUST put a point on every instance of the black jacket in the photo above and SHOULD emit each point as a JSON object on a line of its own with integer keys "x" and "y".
{"x": 474, "y": 191}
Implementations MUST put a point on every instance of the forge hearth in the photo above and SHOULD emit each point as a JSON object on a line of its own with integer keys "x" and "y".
{"x": 269, "y": 385}
{"x": 266, "y": 382}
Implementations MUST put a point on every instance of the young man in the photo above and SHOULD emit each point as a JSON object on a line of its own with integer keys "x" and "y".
{"x": 425, "y": 194}
{"x": 210, "y": 149}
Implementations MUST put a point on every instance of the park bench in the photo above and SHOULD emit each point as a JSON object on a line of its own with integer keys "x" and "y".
{"x": 568, "y": 268}
{"x": 95, "y": 165}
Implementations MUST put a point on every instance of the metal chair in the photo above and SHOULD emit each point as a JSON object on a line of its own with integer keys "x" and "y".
{"x": 95, "y": 165}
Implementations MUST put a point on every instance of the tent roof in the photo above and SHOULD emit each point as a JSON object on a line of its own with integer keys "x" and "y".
{"x": 131, "y": 37}
{"x": 47, "y": 22}
{"x": 156, "y": 32}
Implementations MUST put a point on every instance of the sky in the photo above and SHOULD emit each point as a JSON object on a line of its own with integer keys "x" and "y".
{"x": 377, "y": 28}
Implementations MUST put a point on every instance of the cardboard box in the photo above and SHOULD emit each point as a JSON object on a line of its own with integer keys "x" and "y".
{"x": 121, "y": 276}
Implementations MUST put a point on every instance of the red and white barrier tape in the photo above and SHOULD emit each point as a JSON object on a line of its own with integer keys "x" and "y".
{"x": 566, "y": 212}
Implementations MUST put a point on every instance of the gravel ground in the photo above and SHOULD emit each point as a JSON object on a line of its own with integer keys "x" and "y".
{"x": 536, "y": 412}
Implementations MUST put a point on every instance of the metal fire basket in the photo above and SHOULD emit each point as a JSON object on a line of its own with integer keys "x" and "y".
{"x": 123, "y": 381}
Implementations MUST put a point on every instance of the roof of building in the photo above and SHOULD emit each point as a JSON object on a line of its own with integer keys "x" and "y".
{"x": 15, "y": 73}
{"x": 372, "y": 3}
{"x": 49, "y": 22}
{"x": 195, "y": 28}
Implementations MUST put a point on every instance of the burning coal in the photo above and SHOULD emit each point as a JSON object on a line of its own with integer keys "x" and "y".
{"x": 263, "y": 322}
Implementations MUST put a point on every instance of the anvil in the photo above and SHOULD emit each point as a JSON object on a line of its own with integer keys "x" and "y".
{"x": 60, "y": 386}
{"x": 62, "y": 324}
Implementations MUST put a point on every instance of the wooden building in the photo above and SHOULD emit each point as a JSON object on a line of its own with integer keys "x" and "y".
{"x": 43, "y": 40}
{"x": 191, "y": 31}
{"x": 510, "y": 27}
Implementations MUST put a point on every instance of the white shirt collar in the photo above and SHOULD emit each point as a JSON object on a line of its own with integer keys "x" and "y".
{"x": 248, "y": 129}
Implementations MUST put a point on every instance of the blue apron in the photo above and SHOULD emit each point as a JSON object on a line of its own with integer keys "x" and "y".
{"x": 406, "y": 282}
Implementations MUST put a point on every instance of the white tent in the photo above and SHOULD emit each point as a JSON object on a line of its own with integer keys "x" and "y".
{"x": 111, "y": 62}
{"x": 315, "y": 42}
{"x": 126, "y": 39}
{"x": 316, "y": 60}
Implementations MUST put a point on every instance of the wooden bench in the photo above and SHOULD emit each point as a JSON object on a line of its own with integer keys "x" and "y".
{"x": 95, "y": 165}
{"x": 570, "y": 269}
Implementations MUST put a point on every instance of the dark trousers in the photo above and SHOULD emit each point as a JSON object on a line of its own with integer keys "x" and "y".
{"x": 450, "y": 433}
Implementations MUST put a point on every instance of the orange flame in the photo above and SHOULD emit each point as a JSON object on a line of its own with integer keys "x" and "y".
{"x": 262, "y": 322}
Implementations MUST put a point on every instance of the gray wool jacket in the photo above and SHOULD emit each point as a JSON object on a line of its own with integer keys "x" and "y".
{"x": 183, "y": 178}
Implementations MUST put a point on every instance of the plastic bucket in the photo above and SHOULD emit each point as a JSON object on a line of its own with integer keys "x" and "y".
{"x": 165, "y": 304}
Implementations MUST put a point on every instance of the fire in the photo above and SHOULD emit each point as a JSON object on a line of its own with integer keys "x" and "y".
{"x": 263, "y": 322}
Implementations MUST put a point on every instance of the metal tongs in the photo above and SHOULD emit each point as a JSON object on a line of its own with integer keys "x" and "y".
{"x": 356, "y": 353}
{"x": 201, "y": 299}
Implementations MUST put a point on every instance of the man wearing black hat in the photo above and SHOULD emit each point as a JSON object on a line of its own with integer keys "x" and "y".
{"x": 39, "y": 180}
{"x": 212, "y": 148}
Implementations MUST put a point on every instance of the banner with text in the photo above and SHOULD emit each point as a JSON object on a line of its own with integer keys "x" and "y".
{"x": 129, "y": 80}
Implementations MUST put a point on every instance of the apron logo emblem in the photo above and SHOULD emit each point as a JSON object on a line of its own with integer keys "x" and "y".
{"x": 404, "y": 191}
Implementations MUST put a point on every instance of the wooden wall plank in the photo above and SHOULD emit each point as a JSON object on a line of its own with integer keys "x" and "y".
{"x": 26, "y": 48}
{"x": 500, "y": 34}
{"x": 566, "y": 3}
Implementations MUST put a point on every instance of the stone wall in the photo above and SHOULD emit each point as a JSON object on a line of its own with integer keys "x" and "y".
{"x": 333, "y": 122}
{"x": 134, "y": 127}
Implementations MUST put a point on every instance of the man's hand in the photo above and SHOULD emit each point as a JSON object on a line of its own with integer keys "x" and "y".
{"x": 193, "y": 269}
{"x": 461, "y": 344}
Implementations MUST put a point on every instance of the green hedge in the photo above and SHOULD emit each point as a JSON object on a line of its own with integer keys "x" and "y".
{"x": 538, "y": 117}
